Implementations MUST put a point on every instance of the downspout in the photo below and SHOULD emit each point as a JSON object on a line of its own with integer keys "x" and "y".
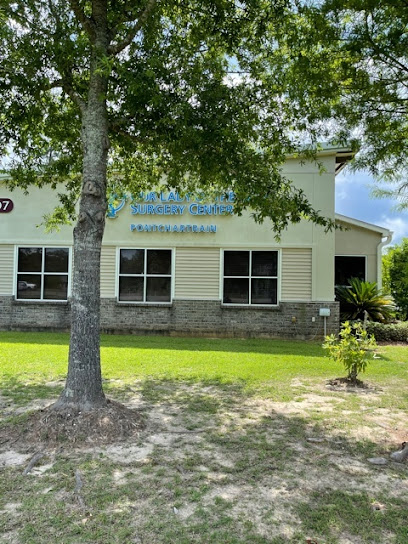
{"x": 379, "y": 257}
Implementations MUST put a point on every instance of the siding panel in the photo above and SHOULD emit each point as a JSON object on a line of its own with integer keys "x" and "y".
{"x": 296, "y": 281}
{"x": 108, "y": 271}
{"x": 6, "y": 269}
{"x": 197, "y": 273}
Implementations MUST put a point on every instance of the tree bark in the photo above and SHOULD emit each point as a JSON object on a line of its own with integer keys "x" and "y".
{"x": 83, "y": 389}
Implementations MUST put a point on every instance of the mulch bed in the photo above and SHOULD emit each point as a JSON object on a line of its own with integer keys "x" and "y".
{"x": 52, "y": 428}
{"x": 348, "y": 385}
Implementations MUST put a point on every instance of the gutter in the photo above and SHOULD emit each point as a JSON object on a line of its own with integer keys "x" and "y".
{"x": 388, "y": 238}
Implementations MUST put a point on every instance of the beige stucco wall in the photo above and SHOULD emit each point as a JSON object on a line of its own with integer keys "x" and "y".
{"x": 359, "y": 241}
{"x": 196, "y": 251}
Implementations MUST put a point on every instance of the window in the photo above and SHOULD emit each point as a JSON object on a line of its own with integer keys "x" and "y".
{"x": 347, "y": 267}
{"x": 145, "y": 275}
{"x": 250, "y": 277}
{"x": 42, "y": 273}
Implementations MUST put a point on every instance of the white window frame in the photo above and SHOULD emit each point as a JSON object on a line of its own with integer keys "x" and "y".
{"x": 144, "y": 275}
{"x": 42, "y": 273}
{"x": 250, "y": 277}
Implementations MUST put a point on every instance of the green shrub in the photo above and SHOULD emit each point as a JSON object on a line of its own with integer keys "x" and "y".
{"x": 395, "y": 276}
{"x": 363, "y": 296}
{"x": 353, "y": 348}
{"x": 392, "y": 332}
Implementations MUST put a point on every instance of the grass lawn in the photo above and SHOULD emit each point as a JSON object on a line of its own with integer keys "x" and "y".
{"x": 244, "y": 443}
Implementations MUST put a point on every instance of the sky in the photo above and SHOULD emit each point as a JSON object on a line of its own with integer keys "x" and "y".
{"x": 354, "y": 200}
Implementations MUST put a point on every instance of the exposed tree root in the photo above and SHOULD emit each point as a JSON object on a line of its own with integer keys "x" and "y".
{"x": 401, "y": 455}
{"x": 77, "y": 490}
{"x": 52, "y": 427}
{"x": 34, "y": 460}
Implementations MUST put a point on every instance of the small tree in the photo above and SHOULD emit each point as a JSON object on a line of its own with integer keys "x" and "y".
{"x": 354, "y": 348}
{"x": 363, "y": 296}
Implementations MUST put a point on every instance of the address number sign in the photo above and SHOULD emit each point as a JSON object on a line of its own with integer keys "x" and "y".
{"x": 6, "y": 205}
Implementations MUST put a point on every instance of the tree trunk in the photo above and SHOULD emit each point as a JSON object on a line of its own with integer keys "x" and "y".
{"x": 83, "y": 388}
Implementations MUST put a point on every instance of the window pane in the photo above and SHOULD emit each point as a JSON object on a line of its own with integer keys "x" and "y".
{"x": 131, "y": 261}
{"x": 264, "y": 291}
{"x": 55, "y": 287}
{"x": 29, "y": 286}
{"x": 236, "y": 291}
{"x": 56, "y": 259}
{"x": 158, "y": 261}
{"x": 158, "y": 290}
{"x": 29, "y": 259}
{"x": 349, "y": 267}
{"x": 264, "y": 263}
{"x": 236, "y": 263}
{"x": 131, "y": 289}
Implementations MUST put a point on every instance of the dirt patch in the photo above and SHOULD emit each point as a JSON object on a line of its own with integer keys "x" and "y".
{"x": 12, "y": 458}
{"x": 49, "y": 428}
{"x": 127, "y": 454}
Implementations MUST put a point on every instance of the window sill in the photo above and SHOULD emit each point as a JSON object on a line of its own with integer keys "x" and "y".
{"x": 269, "y": 307}
{"x": 39, "y": 301}
{"x": 145, "y": 304}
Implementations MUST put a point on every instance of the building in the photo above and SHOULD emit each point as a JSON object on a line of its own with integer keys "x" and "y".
{"x": 175, "y": 266}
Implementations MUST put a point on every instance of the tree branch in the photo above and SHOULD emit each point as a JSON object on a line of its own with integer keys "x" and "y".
{"x": 74, "y": 96}
{"x": 66, "y": 85}
{"x": 86, "y": 23}
{"x": 114, "y": 49}
{"x": 383, "y": 56}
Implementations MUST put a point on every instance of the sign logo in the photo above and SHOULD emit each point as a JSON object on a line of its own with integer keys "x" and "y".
{"x": 115, "y": 204}
{"x": 6, "y": 205}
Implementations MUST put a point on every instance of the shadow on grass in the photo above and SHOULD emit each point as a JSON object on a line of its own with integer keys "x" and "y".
{"x": 371, "y": 517}
{"x": 237, "y": 345}
{"x": 248, "y": 475}
{"x": 18, "y": 391}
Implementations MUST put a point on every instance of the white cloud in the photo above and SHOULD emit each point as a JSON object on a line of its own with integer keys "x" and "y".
{"x": 347, "y": 183}
{"x": 398, "y": 225}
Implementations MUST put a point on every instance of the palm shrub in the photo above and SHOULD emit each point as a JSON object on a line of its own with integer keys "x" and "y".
{"x": 364, "y": 296}
{"x": 353, "y": 348}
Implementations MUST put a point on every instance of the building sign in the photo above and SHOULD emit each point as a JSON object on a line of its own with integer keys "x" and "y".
{"x": 6, "y": 205}
{"x": 153, "y": 204}
{"x": 173, "y": 228}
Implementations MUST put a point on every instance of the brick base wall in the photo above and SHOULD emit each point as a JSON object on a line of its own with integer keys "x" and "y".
{"x": 183, "y": 317}
{"x": 17, "y": 315}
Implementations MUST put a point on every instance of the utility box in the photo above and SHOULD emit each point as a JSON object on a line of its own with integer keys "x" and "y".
{"x": 324, "y": 312}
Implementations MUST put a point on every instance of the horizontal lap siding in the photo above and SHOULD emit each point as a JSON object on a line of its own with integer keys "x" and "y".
{"x": 108, "y": 271}
{"x": 6, "y": 269}
{"x": 197, "y": 273}
{"x": 296, "y": 281}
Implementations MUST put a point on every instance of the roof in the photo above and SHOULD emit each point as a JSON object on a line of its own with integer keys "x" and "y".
{"x": 363, "y": 224}
{"x": 343, "y": 154}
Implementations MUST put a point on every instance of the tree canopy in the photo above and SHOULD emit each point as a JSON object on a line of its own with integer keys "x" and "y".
{"x": 354, "y": 53}
{"x": 195, "y": 95}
